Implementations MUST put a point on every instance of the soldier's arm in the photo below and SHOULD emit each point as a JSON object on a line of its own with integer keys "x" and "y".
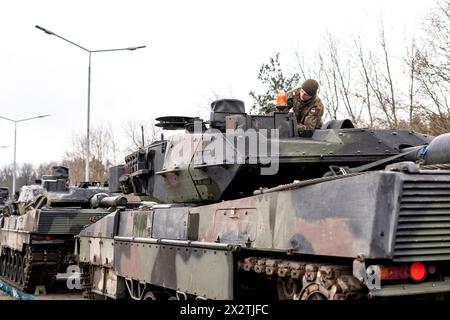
{"x": 291, "y": 96}
{"x": 301, "y": 126}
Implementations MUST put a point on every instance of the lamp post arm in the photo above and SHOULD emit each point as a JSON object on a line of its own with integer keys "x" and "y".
{"x": 7, "y": 119}
{"x": 87, "y": 175}
{"x": 73, "y": 43}
{"x": 37, "y": 117}
{"x": 120, "y": 49}
{"x": 15, "y": 145}
{"x": 56, "y": 35}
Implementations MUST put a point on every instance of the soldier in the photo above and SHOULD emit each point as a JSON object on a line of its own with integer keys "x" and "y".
{"x": 308, "y": 108}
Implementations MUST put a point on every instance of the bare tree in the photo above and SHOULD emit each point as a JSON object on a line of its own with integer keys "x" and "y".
{"x": 344, "y": 78}
{"x": 76, "y": 168}
{"x": 6, "y": 176}
{"x": 388, "y": 77}
{"x": 327, "y": 76}
{"x": 305, "y": 70}
{"x": 45, "y": 168}
{"x": 433, "y": 68}
{"x": 27, "y": 174}
{"x": 338, "y": 79}
{"x": 377, "y": 83}
{"x": 371, "y": 85}
{"x": 366, "y": 76}
{"x": 101, "y": 155}
{"x": 411, "y": 61}
{"x": 140, "y": 133}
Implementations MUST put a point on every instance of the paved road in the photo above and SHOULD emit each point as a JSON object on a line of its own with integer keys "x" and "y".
{"x": 52, "y": 296}
{"x": 4, "y": 296}
{"x": 61, "y": 296}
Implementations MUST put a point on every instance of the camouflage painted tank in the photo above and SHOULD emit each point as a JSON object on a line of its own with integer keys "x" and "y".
{"x": 251, "y": 207}
{"x": 4, "y": 195}
{"x": 37, "y": 240}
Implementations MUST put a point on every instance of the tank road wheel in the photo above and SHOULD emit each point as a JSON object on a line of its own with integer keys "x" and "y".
{"x": 3, "y": 265}
{"x": 286, "y": 288}
{"x": 316, "y": 292}
{"x": 155, "y": 295}
{"x": 9, "y": 267}
{"x": 20, "y": 269}
{"x": 329, "y": 282}
{"x": 149, "y": 296}
{"x": 6, "y": 264}
{"x": 14, "y": 268}
{"x": 26, "y": 272}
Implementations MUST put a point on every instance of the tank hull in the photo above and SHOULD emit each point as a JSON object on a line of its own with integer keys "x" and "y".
{"x": 37, "y": 245}
{"x": 292, "y": 239}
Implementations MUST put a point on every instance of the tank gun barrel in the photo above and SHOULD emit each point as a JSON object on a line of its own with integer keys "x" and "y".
{"x": 113, "y": 201}
{"x": 104, "y": 201}
{"x": 435, "y": 153}
{"x": 438, "y": 151}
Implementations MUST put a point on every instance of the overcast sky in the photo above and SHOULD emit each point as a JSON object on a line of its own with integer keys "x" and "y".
{"x": 193, "y": 48}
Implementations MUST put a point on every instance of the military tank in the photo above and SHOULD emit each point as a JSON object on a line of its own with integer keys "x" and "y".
{"x": 4, "y": 195}
{"x": 248, "y": 206}
{"x": 37, "y": 238}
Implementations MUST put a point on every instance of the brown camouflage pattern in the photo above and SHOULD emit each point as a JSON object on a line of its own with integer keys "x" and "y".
{"x": 309, "y": 117}
{"x": 167, "y": 252}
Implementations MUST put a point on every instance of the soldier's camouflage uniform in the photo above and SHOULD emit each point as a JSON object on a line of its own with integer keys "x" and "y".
{"x": 308, "y": 113}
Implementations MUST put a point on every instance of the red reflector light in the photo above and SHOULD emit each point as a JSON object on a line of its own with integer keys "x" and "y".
{"x": 394, "y": 272}
{"x": 418, "y": 271}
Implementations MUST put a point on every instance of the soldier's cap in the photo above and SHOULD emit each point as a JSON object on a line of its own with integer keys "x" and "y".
{"x": 310, "y": 86}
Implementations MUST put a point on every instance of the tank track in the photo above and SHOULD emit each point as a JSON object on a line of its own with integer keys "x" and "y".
{"x": 86, "y": 281}
{"x": 24, "y": 270}
{"x": 297, "y": 280}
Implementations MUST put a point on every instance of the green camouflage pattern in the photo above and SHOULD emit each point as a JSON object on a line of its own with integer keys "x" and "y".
{"x": 344, "y": 202}
{"x": 197, "y": 252}
{"x": 38, "y": 240}
{"x": 309, "y": 117}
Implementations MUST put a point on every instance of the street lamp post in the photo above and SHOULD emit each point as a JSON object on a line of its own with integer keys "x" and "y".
{"x": 15, "y": 140}
{"x": 86, "y": 176}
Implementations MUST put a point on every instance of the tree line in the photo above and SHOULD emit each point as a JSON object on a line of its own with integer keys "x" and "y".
{"x": 105, "y": 152}
{"x": 374, "y": 87}
{"x": 357, "y": 82}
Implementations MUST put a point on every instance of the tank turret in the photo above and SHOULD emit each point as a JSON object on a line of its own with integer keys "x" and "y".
{"x": 37, "y": 234}
{"x": 239, "y": 153}
{"x": 246, "y": 206}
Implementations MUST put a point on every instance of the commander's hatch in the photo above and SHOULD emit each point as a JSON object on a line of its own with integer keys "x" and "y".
{"x": 181, "y": 123}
